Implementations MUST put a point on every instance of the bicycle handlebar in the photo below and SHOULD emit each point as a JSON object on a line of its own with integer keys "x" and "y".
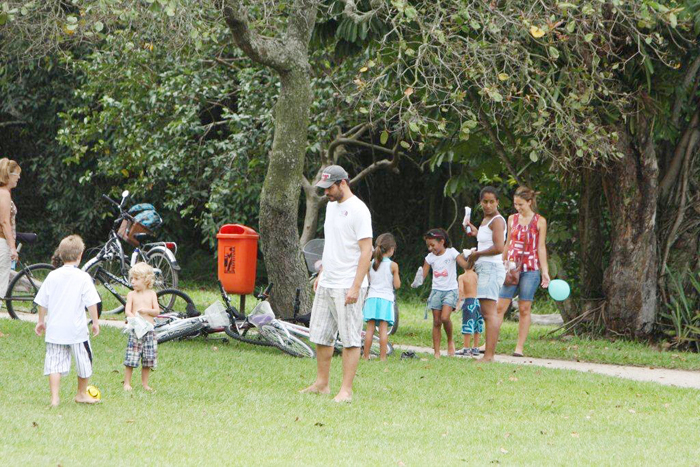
{"x": 266, "y": 293}
{"x": 111, "y": 201}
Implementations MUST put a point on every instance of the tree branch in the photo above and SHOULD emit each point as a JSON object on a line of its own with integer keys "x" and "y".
{"x": 301, "y": 23}
{"x": 678, "y": 154}
{"x": 13, "y": 122}
{"x": 690, "y": 77}
{"x": 266, "y": 51}
{"x": 355, "y": 15}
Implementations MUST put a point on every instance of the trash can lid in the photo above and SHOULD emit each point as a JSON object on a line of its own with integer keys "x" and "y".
{"x": 236, "y": 231}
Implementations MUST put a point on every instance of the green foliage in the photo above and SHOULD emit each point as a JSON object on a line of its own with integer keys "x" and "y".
{"x": 545, "y": 81}
{"x": 681, "y": 321}
{"x": 200, "y": 153}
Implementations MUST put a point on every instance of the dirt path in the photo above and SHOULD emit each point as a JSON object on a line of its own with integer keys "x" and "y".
{"x": 679, "y": 378}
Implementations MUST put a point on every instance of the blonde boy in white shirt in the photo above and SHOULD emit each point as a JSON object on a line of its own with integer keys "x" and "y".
{"x": 64, "y": 295}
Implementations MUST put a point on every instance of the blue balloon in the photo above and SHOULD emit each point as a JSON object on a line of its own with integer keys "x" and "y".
{"x": 559, "y": 290}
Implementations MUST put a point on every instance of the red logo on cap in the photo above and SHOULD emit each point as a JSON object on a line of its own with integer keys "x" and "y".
{"x": 325, "y": 176}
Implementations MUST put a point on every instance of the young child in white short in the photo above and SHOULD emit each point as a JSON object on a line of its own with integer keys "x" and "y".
{"x": 62, "y": 300}
{"x": 141, "y": 301}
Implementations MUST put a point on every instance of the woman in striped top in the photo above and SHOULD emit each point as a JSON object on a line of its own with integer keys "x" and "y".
{"x": 525, "y": 249}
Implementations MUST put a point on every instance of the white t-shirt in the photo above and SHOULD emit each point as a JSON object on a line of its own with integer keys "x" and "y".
{"x": 66, "y": 293}
{"x": 346, "y": 224}
{"x": 444, "y": 269}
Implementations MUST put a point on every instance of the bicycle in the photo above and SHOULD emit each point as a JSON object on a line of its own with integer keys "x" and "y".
{"x": 24, "y": 286}
{"x": 260, "y": 327}
{"x": 110, "y": 266}
{"x": 299, "y": 326}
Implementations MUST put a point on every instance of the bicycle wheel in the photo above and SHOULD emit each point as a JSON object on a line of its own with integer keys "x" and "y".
{"x": 166, "y": 275}
{"x": 22, "y": 289}
{"x": 249, "y": 336}
{"x": 395, "y": 327}
{"x": 178, "y": 329}
{"x": 111, "y": 284}
{"x": 176, "y": 301}
{"x": 286, "y": 342}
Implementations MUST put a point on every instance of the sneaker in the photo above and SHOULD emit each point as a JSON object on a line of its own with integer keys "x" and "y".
{"x": 409, "y": 354}
{"x": 475, "y": 351}
{"x": 465, "y": 352}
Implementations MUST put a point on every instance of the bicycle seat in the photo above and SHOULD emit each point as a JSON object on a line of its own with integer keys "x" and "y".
{"x": 142, "y": 237}
{"x": 24, "y": 237}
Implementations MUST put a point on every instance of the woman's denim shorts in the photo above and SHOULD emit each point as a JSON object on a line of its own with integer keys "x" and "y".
{"x": 491, "y": 277}
{"x": 525, "y": 289}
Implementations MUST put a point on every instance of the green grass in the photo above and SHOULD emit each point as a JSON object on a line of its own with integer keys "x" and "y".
{"x": 236, "y": 404}
{"x": 413, "y": 330}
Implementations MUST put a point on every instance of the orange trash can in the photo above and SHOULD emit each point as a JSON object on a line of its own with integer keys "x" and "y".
{"x": 238, "y": 258}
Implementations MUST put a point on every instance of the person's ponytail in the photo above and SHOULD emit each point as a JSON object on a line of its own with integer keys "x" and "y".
{"x": 385, "y": 242}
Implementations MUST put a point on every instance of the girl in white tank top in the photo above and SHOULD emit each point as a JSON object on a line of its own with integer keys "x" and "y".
{"x": 378, "y": 310}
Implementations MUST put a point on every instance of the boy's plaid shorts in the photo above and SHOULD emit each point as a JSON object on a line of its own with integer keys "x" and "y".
{"x": 144, "y": 349}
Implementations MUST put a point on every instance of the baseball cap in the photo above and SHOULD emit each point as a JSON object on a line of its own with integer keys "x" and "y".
{"x": 330, "y": 175}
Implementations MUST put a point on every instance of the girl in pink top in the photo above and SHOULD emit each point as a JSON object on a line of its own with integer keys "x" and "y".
{"x": 525, "y": 249}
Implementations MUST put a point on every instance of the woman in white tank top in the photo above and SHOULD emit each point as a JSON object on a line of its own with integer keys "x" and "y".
{"x": 491, "y": 237}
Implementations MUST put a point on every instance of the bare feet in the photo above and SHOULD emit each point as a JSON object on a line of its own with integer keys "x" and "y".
{"x": 54, "y": 403}
{"x": 127, "y": 387}
{"x": 316, "y": 389}
{"x": 343, "y": 396}
{"x": 147, "y": 388}
{"x": 85, "y": 399}
{"x": 437, "y": 355}
{"x": 485, "y": 360}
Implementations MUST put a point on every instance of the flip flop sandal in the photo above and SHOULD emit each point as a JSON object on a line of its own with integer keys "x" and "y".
{"x": 409, "y": 354}
{"x": 519, "y": 355}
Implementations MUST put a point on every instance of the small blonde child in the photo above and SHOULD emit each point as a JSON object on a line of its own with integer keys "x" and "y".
{"x": 472, "y": 321}
{"x": 379, "y": 306}
{"x": 143, "y": 302}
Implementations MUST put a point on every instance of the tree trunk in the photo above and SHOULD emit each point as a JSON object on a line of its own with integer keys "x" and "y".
{"x": 591, "y": 243}
{"x": 314, "y": 203}
{"x": 631, "y": 189}
{"x": 279, "y": 201}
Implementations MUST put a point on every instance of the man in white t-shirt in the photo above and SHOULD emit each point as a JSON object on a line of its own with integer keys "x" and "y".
{"x": 342, "y": 285}
{"x": 64, "y": 295}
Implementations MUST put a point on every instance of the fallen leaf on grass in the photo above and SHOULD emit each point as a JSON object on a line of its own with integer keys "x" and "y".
{"x": 504, "y": 451}
{"x": 508, "y": 435}
{"x": 296, "y": 419}
{"x": 574, "y": 434}
{"x": 319, "y": 424}
{"x": 35, "y": 424}
{"x": 215, "y": 348}
{"x": 386, "y": 370}
{"x": 423, "y": 359}
{"x": 513, "y": 378}
{"x": 632, "y": 411}
{"x": 667, "y": 405}
{"x": 401, "y": 464}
